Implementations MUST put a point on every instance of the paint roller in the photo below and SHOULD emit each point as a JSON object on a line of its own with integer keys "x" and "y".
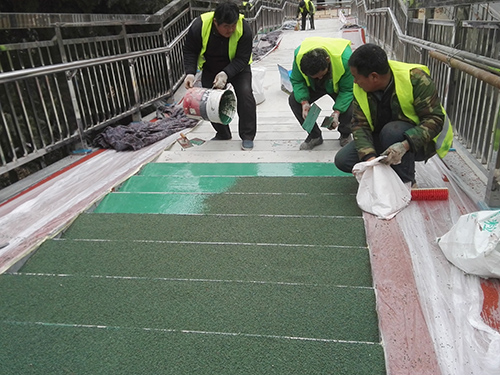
{"x": 429, "y": 194}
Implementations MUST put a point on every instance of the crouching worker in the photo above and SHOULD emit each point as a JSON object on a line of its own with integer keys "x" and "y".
{"x": 396, "y": 113}
{"x": 306, "y": 7}
{"x": 320, "y": 68}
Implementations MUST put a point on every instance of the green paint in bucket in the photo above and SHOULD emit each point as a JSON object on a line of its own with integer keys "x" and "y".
{"x": 212, "y": 105}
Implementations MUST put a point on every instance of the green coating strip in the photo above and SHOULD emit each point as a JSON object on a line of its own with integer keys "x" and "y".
{"x": 242, "y": 169}
{"x": 248, "y": 204}
{"x": 271, "y": 263}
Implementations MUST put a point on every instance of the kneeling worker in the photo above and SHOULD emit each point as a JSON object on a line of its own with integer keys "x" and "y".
{"x": 320, "y": 68}
{"x": 397, "y": 113}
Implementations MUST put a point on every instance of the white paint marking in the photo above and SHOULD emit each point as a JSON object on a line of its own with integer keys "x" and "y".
{"x": 189, "y": 280}
{"x": 187, "y": 331}
{"x": 212, "y": 243}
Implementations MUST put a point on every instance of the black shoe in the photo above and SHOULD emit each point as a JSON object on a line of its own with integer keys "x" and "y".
{"x": 310, "y": 143}
{"x": 218, "y": 137}
{"x": 344, "y": 139}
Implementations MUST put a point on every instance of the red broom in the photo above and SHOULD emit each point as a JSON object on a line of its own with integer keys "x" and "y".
{"x": 429, "y": 194}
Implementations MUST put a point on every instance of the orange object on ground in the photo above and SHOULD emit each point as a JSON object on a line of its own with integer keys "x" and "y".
{"x": 430, "y": 194}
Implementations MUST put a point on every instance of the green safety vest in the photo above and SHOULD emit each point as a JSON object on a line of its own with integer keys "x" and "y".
{"x": 309, "y": 6}
{"x": 207, "y": 21}
{"x": 404, "y": 93}
{"x": 334, "y": 47}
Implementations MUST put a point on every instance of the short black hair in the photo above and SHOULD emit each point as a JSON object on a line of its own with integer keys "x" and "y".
{"x": 369, "y": 58}
{"x": 314, "y": 62}
{"x": 227, "y": 12}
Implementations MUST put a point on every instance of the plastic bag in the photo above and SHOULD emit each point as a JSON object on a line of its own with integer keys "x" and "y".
{"x": 380, "y": 192}
{"x": 258, "y": 75}
{"x": 472, "y": 244}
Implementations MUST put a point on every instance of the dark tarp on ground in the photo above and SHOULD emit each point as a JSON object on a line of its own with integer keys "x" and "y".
{"x": 137, "y": 135}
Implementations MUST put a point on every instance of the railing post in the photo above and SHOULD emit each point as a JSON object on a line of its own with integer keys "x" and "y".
{"x": 428, "y": 14}
{"x": 71, "y": 88}
{"x": 492, "y": 196}
{"x": 136, "y": 116}
{"x": 167, "y": 58}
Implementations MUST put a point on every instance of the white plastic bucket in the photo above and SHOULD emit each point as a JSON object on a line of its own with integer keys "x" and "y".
{"x": 212, "y": 105}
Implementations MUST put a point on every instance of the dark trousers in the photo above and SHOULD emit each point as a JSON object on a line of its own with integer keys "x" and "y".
{"x": 344, "y": 118}
{"x": 245, "y": 104}
{"x": 311, "y": 20}
{"x": 392, "y": 132}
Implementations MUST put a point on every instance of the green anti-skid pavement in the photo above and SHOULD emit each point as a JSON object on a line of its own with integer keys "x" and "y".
{"x": 201, "y": 269}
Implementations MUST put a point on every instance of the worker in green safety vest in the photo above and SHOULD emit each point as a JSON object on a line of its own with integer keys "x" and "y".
{"x": 396, "y": 113}
{"x": 305, "y": 8}
{"x": 220, "y": 43}
{"x": 320, "y": 68}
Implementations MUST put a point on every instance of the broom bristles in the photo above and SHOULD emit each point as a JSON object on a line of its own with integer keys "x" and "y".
{"x": 429, "y": 194}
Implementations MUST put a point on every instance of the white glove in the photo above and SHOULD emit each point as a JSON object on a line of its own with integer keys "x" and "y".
{"x": 189, "y": 81}
{"x": 395, "y": 153}
{"x": 305, "y": 108}
{"x": 220, "y": 80}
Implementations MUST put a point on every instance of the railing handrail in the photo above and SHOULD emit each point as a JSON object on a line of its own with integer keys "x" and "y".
{"x": 472, "y": 58}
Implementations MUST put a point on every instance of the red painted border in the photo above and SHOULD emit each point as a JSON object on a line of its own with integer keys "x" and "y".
{"x": 491, "y": 307}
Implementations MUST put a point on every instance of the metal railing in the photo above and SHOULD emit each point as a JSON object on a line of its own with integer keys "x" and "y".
{"x": 70, "y": 75}
{"x": 466, "y": 74}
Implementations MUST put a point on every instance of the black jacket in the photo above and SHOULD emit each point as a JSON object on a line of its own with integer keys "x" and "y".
{"x": 216, "y": 54}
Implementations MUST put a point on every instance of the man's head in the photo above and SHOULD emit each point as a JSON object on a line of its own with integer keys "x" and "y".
{"x": 226, "y": 16}
{"x": 315, "y": 63}
{"x": 370, "y": 67}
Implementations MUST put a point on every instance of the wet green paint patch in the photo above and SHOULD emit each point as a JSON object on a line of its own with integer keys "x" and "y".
{"x": 248, "y": 184}
{"x": 241, "y": 169}
{"x": 228, "y": 203}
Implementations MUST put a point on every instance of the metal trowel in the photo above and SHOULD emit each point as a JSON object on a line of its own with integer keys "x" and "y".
{"x": 186, "y": 143}
{"x": 311, "y": 118}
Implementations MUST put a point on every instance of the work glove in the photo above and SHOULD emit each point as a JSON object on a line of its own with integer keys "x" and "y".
{"x": 305, "y": 108}
{"x": 189, "y": 81}
{"x": 335, "y": 120}
{"x": 220, "y": 80}
{"x": 395, "y": 153}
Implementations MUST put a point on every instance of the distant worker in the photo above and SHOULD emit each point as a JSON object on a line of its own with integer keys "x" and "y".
{"x": 396, "y": 113}
{"x": 306, "y": 7}
{"x": 220, "y": 44}
{"x": 320, "y": 68}
{"x": 246, "y": 6}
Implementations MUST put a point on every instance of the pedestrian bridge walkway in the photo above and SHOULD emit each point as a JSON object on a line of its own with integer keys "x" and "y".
{"x": 214, "y": 260}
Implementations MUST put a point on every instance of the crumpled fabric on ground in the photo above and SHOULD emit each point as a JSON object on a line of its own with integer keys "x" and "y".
{"x": 266, "y": 43}
{"x": 140, "y": 134}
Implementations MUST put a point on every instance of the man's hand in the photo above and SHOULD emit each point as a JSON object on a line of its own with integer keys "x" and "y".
{"x": 305, "y": 108}
{"x": 220, "y": 80}
{"x": 189, "y": 81}
{"x": 395, "y": 153}
{"x": 335, "y": 123}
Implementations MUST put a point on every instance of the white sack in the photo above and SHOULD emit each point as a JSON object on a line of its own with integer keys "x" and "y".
{"x": 472, "y": 244}
{"x": 258, "y": 75}
{"x": 380, "y": 192}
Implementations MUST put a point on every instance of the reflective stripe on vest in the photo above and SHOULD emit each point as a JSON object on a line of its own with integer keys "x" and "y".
{"x": 334, "y": 47}
{"x": 207, "y": 21}
{"x": 404, "y": 93}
